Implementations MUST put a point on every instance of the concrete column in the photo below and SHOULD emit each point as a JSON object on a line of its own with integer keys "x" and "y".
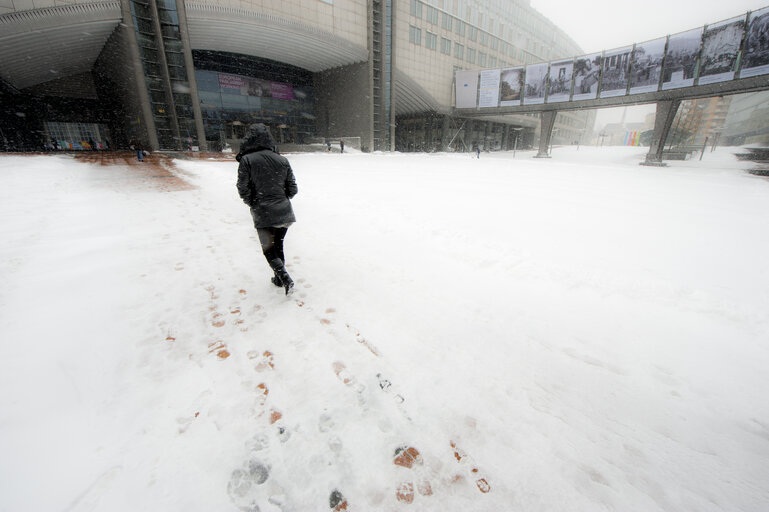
{"x": 428, "y": 144}
{"x": 666, "y": 112}
{"x": 391, "y": 66}
{"x": 146, "y": 120}
{"x": 165, "y": 76}
{"x": 190, "y": 68}
{"x": 445, "y": 134}
{"x": 546, "y": 122}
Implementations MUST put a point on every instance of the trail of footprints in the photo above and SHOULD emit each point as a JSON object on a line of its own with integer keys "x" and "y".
{"x": 251, "y": 484}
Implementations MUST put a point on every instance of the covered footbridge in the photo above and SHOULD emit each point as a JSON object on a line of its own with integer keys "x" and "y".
{"x": 728, "y": 57}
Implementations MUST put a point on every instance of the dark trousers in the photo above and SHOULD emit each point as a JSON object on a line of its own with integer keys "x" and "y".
{"x": 272, "y": 242}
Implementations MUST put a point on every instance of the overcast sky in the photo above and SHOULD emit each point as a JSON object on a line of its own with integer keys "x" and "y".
{"x": 606, "y": 24}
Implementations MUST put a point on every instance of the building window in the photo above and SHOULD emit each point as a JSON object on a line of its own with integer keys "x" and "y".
{"x": 484, "y": 39}
{"x": 431, "y": 40}
{"x": 482, "y": 59}
{"x": 445, "y": 46}
{"x": 492, "y": 62}
{"x": 432, "y": 15}
{"x": 473, "y": 33}
{"x": 460, "y": 28}
{"x": 415, "y": 35}
{"x": 416, "y": 8}
{"x": 447, "y": 21}
{"x": 471, "y": 55}
{"x": 459, "y": 51}
{"x": 494, "y": 43}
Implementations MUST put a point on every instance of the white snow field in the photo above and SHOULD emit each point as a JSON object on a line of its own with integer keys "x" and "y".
{"x": 579, "y": 333}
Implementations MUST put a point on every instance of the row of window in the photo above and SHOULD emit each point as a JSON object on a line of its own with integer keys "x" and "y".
{"x": 531, "y": 23}
{"x": 485, "y": 38}
{"x": 461, "y": 53}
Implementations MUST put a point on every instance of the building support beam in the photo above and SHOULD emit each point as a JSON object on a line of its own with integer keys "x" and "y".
{"x": 145, "y": 124}
{"x": 445, "y": 133}
{"x": 666, "y": 112}
{"x": 546, "y": 122}
{"x": 190, "y": 69}
{"x": 165, "y": 77}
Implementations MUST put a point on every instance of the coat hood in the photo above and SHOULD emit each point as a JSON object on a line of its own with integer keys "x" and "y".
{"x": 258, "y": 137}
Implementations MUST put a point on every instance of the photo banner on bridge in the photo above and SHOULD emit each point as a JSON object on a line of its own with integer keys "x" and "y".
{"x": 560, "y": 81}
{"x": 681, "y": 59}
{"x": 646, "y": 67}
{"x": 510, "y": 87}
{"x": 488, "y": 94}
{"x": 466, "y": 89}
{"x": 720, "y": 48}
{"x": 755, "y": 59}
{"x": 729, "y": 50}
{"x": 587, "y": 71}
{"x": 615, "y": 73}
{"x": 535, "y": 84}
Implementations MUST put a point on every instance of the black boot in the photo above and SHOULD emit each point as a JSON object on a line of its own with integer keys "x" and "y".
{"x": 276, "y": 280}
{"x": 281, "y": 272}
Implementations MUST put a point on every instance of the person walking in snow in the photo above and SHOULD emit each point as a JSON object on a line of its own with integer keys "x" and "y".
{"x": 341, "y": 145}
{"x": 266, "y": 184}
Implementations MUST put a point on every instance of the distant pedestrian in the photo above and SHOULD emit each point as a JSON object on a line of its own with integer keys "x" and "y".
{"x": 328, "y": 143}
{"x": 137, "y": 146}
{"x": 341, "y": 144}
{"x": 477, "y": 150}
{"x": 266, "y": 184}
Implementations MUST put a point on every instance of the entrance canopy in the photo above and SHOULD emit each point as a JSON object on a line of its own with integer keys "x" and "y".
{"x": 45, "y": 44}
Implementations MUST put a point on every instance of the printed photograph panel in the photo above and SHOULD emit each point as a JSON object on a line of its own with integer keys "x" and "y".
{"x": 646, "y": 67}
{"x": 720, "y": 48}
{"x": 587, "y": 72}
{"x": 510, "y": 87}
{"x": 755, "y": 59}
{"x": 536, "y": 82}
{"x": 615, "y": 74}
{"x": 560, "y": 80}
{"x": 680, "y": 65}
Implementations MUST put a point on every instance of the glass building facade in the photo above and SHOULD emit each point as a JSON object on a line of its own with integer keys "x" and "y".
{"x": 236, "y": 91}
{"x": 162, "y": 55}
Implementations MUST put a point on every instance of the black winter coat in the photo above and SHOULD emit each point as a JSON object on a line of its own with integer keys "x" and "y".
{"x": 265, "y": 179}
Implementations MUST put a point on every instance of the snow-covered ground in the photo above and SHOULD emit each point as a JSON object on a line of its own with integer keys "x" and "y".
{"x": 573, "y": 334}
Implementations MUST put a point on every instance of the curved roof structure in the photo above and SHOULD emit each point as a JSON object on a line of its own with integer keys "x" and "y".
{"x": 220, "y": 28}
{"x": 45, "y": 44}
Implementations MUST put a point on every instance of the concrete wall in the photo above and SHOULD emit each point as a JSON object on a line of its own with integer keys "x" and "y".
{"x": 343, "y": 104}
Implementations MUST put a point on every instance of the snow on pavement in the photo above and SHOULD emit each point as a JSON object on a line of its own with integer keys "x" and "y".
{"x": 575, "y": 333}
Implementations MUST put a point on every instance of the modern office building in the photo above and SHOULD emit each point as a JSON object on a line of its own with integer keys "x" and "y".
{"x": 747, "y": 121}
{"x": 180, "y": 74}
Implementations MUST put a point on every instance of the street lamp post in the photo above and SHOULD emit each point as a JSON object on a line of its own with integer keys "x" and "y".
{"x": 517, "y": 134}
{"x": 552, "y": 140}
